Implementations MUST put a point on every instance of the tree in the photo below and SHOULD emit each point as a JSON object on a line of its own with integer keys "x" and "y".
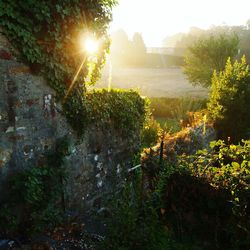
{"x": 138, "y": 44}
{"x": 120, "y": 43}
{"x": 127, "y": 52}
{"x": 248, "y": 24}
{"x": 229, "y": 102}
{"x": 120, "y": 47}
{"x": 171, "y": 41}
{"x": 138, "y": 50}
{"x": 209, "y": 54}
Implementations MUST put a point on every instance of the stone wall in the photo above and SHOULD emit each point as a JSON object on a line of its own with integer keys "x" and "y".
{"x": 30, "y": 124}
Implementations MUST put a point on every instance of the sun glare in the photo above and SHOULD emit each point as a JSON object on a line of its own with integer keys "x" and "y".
{"x": 91, "y": 45}
{"x": 161, "y": 18}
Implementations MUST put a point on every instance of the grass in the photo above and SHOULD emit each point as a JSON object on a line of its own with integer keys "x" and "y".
{"x": 176, "y": 108}
{"x": 169, "y": 125}
{"x": 169, "y": 111}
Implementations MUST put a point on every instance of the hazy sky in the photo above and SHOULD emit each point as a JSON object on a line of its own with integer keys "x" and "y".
{"x": 155, "y": 19}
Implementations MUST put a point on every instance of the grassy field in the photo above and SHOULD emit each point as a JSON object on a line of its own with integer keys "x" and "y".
{"x": 152, "y": 82}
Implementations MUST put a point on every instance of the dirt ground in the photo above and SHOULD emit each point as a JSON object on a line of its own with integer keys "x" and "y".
{"x": 152, "y": 82}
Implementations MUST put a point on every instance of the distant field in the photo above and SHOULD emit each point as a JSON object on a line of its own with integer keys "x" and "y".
{"x": 152, "y": 82}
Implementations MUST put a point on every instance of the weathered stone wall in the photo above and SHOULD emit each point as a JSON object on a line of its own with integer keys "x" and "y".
{"x": 31, "y": 123}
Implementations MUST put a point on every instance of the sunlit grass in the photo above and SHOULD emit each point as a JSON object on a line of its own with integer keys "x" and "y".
{"x": 169, "y": 125}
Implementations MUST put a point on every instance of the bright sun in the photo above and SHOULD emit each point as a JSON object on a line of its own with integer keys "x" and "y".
{"x": 91, "y": 45}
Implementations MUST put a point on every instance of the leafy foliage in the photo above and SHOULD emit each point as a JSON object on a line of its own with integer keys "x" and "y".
{"x": 229, "y": 102}
{"x": 126, "y": 111}
{"x": 47, "y": 35}
{"x": 135, "y": 223}
{"x": 207, "y": 55}
{"x": 151, "y": 133}
{"x": 226, "y": 166}
{"x": 34, "y": 200}
{"x": 207, "y": 198}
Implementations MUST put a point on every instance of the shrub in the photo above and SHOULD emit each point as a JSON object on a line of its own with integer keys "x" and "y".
{"x": 208, "y": 54}
{"x": 195, "y": 211}
{"x": 135, "y": 223}
{"x": 206, "y": 196}
{"x": 126, "y": 111}
{"x": 229, "y": 102}
{"x": 151, "y": 133}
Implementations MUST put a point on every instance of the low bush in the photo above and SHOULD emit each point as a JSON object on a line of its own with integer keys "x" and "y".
{"x": 126, "y": 111}
{"x": 206, "y": 196}
{"x": 229, "y": 102}
{"x": 135, "y": 223}
{"x": 151, "y": 133}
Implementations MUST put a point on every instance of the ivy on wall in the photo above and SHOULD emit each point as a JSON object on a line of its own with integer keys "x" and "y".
{"x": 34, "y": 197}
{"x": 47, "y": 33}
{"x": 126, "y": 111}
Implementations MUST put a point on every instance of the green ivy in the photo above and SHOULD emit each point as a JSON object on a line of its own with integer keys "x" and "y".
{"x": 35, "y": 198}
{"x": 226, "y": 166}
{"x": 46, "y": 33}
{"x": 227, "y": 169}
{"x": 125, "y": 111}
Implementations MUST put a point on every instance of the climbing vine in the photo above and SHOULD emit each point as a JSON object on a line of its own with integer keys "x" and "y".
{"x": 34, "y": 199}
{"x": 47, "y": 33}
{"x": 123, "y": 110}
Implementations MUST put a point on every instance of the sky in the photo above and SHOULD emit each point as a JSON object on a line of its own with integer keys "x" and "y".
{"x": 156, "y": 19}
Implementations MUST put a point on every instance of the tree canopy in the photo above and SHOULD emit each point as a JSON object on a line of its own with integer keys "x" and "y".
{"x": 209, "y": 54}
{"x": 127, "y": 52}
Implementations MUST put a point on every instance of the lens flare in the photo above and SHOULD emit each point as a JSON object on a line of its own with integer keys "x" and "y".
{"x": 91, "y": 45}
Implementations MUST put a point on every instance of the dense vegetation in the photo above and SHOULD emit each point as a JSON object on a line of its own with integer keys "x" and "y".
{"x": 103, "y": 108}
{"x": 229, "y": 103}
{"x": 209, "y": 188}
{"x": 48, "y": 38}
{"x": 177, "y": 200}
{"x": 198, "y": 201}
{"x": 180, "y": 42}
{"x": 34, "y": 198}
{"x": 201, "y": 199}
{"x": 209, "y": 54}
